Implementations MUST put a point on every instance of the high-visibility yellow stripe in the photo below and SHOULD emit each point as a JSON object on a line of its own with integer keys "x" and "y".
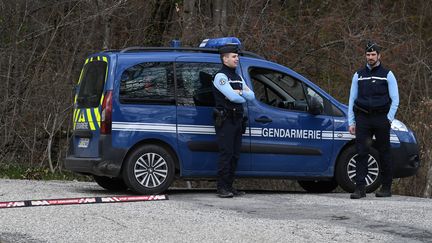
{"x": 102, "y": 98}
{"x": 74, "y": 118}
{"x": 77, "y": 111}
{"x": 97, "y": 115}
{"x": 74, "y": 115}
{"x": 81, "y": 116}
{"x": 82, "y": 70}
{"x": 105, "y": 59}
{"x": 80, "y": 77}
{"x": 90, "y": 119}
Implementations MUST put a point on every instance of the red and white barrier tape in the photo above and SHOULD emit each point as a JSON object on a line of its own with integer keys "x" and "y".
{"x": 83, "y": 200}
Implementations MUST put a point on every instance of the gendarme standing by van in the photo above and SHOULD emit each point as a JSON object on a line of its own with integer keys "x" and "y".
{"x": 373, "y": 102}
{"x": 143, "y": 116}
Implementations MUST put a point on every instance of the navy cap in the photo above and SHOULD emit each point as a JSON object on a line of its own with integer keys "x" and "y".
{"x": 229, "y": 48}
{"x": 372, "y": 46}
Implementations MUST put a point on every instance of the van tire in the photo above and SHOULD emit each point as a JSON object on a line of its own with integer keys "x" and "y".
{"x": 111, "y": 184}
{"x": 342, "y": 174}
{"x": 149, "y": 169}
{"x": 318, "y": 186}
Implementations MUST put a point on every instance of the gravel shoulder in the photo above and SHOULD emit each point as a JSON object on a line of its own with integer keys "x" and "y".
{"x": 200, "y": 216}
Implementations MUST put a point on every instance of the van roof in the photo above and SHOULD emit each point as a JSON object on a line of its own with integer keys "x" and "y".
{"x": 138, "y": 49}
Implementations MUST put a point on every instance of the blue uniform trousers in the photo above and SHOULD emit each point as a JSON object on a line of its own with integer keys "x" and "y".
{"x": 368, "y": 125}
{"x": 229, "y": 139}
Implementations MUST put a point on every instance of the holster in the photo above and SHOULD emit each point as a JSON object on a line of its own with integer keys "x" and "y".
{"x": 219, "y": 117}
{"x": 244, "y": 124}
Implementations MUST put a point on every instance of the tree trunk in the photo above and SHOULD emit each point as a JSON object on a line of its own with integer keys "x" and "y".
{"x": 428, "y": 188}
{"x": 107, "y": 33}
{"x": 188, "y": 20}
{"x": 106, "y": 17}
{"x": 50, "y": 140}
{"x": 220, "y": 16}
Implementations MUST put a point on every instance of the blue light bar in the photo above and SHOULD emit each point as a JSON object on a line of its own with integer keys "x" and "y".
{"x": 175, "y": 43}
{"x": 218, "y": 42}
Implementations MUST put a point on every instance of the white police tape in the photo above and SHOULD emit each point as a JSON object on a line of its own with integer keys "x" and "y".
{"x": 83, "y": 200}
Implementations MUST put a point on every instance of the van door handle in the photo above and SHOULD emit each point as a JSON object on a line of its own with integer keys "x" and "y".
{"x": 263, "y": 119}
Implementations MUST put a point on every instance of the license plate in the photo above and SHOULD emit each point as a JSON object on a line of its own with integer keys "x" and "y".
{"x": 83, "y": 142}
{"x": 82, "y": 126}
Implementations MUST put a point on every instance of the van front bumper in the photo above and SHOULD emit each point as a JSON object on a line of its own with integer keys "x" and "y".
{"x": 406, "y": 160}
{"x": 109, "y": 163}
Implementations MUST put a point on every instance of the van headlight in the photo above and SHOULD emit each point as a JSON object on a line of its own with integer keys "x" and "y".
{"x": 399, "y": 126}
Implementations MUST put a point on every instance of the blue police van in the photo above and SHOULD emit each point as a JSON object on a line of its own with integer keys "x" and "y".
{"x": 143, "y": 117}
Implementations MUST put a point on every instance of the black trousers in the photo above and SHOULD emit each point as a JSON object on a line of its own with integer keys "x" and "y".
{"x": 367, "y": 126}
{"x": 229, "y": 139}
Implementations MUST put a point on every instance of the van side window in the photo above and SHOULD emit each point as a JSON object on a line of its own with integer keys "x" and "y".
{"x": 195, "y": 82}
{"x": 91, "y": 84}
{"x": 313, "y": 96}
{"x": 325, "y": 106}
{"x": 278, "y": 89}
{"x": 150, "y": 82}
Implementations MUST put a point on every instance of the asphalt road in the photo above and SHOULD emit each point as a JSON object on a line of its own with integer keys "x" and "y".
{"x": 200, "y": 216}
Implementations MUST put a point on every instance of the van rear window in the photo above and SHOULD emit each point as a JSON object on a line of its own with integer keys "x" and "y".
{"x": 149, "y": 82}
{"x": 92, "y": 84}
{"x": 195, "y": 83}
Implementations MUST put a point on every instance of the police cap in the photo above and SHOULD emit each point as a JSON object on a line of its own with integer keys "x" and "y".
{"x": 372, "y": 46}
{"x": 229, "y": 48}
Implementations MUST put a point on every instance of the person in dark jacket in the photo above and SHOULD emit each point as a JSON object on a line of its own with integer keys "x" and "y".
{"x": 230, "y": 92}
{"x": 373, "y": 103}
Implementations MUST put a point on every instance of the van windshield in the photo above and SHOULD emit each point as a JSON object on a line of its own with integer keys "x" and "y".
{"x": 92, "y": 84}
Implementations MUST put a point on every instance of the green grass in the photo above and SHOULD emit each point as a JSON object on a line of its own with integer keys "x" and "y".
{"x": 38, "y": 173}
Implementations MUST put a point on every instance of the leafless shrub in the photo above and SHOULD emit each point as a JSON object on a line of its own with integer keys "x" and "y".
{"x": 43, "y": 45}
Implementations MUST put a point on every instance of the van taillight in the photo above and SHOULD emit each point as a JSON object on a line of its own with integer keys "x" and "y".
{"x": 106, "y": 117}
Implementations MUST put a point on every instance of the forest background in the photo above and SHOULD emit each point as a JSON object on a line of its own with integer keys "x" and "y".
{"x": 43, "y": 44}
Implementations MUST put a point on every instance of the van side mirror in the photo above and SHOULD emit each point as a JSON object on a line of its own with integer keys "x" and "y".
{"x": 315, "y": 107}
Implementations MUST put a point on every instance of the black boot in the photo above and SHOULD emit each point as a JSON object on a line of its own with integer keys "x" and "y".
{"x": 237, "y": 193}
{"x": 223, "y": 193}
{"x": 385, "y": 191}
{"x": 358, "y": 193}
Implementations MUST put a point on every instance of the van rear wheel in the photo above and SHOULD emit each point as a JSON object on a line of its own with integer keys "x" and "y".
{"x": 110, "y": 184}
{"x": 346, "y": 170}
{"x": 149, "y": 169}
{"x": 318, "y": 186}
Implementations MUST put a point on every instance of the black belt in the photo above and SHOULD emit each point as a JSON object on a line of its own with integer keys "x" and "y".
{"x": 373, "y": 111}
{"x": 234, "y": 112}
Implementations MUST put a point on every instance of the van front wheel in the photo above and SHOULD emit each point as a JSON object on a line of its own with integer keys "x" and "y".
{"x": 346, "y": 170}
{"x": 149, "y": 169}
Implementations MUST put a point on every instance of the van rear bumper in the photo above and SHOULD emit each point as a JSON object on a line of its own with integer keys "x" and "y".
{"x": 406, "y": 160}
{"x": 109, "y": 162}
{"x": 93, "y": 166}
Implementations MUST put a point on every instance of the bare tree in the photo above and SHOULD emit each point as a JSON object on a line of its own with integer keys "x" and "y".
{"x": 188, "y": 20}
{"x": 43, "y": 45}
{"x": 220, "y": 16}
